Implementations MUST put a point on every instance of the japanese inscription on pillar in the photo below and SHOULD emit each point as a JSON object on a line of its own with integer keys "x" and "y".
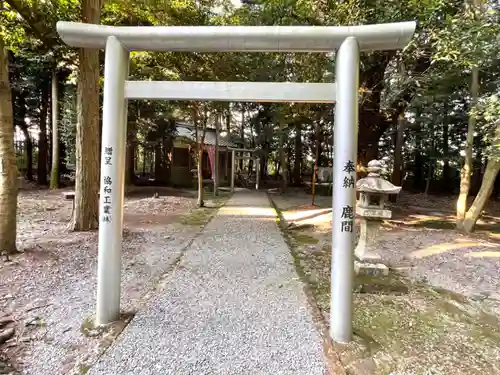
{"x": 347, "y": 216}
{"x": 108, "y": 152}
{"x": 106, "y": 208}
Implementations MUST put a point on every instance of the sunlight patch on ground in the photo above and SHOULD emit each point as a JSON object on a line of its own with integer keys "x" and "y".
{"x": 247, "y": 211}
{"x": 492, "y": 235}
{"x": 321, "y": 219}
{"x": 445, "y": 247}
{"x": 483, "y": 254}
{"x": 417, "y": 219}
{"x": 302, "y": 214}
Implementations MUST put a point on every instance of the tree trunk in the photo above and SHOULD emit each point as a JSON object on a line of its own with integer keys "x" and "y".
{"x": 430, "y": 173}
{"x": 216, "y": 156}
{"x": 283, "y": 162}
{"x": 200, "y": 202}
{"x": 446, "y": 176}
{"x": 465, "y": 173}
{"x": 477, "y": 165}
{"x": 200, "y": 141}
{"x": 19, "y": 120}
{"x": 86, "y": 211}
{"x": 398, "y": 152}
{"x": 143, "y": 159}
{"x": 228, "y": 119}
{"x": 159, "y": 176}
{"x": 28, "y": 151}
{"x": 43, "y": 146}
{"x": 54, "y": 173}
{"x": 418, "y": 170}
{"x": 130, "y": 163}
{"x": 298, "y": 155}
{"x": 432, "y": 162}
{"x": 482, "y": 197}
{"x": 8, "y": 169}
{"x": 315, "y": 169}
{"x": 288, "y": 165}
{"x": 263, "y": 163}
{"x": 242, "y": 134}
{"x": 252, "y": 146}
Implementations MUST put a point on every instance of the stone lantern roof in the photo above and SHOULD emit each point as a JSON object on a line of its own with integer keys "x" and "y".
{"x": 373, "y": 183}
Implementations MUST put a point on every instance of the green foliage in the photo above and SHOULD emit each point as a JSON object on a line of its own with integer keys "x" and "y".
{"x": 430, "y": 76}
{"x": 68, "y": 119}
{"x": 487, "y": 113}
{"x": 11, "y": 30}
{"x": 470, "y": 39}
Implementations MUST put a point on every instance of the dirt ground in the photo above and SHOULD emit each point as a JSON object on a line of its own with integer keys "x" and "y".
{"x": 438, "y": 310}
{"x": 47, "y": 292}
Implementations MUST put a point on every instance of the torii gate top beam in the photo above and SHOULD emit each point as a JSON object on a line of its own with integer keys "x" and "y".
{"x": 387, "y": 36}
{"x": 241, "y": 149}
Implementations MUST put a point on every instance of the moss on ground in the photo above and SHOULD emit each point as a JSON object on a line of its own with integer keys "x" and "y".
{"x": 425, "y": 330}
{"x": 83, "y": 368}
{"x": 198, "y": 216}
{"x": 301, "y": 238}
{"x": 403, "y": 327}
{"x": 201, "y": 216}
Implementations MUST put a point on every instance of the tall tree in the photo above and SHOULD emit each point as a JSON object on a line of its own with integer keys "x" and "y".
{"x": 8, "y": 169}
{"x": 398, "y": 149}
{"x": 43, "y": 145}
{"x": 466, "y": 171}
{"x": 491, "y": 115}
{"x": 316, "y": 160}
{"x": 200, "y": 121}
{"x": 218, "y": 118}
{"x": 85, "y": 216}
{"x": 54, "y": 173}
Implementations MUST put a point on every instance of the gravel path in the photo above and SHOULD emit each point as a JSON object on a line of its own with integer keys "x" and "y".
{"x": 234, "y": 305}
{"x": 49, "y": 290}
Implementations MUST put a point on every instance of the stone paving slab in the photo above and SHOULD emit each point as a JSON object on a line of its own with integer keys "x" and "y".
{"x": 234, "y": 305}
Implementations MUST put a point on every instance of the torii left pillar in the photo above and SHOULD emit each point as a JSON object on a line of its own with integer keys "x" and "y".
{"x": 114, "y": 136}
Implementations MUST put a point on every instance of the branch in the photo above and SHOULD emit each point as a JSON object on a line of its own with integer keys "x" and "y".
{"x": 34, "y": 23}
{"x": 405, "y": 96}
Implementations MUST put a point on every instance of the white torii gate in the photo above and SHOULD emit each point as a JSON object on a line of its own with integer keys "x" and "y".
{"x": 234, "y": 158}
{"x": 120, "y": 40}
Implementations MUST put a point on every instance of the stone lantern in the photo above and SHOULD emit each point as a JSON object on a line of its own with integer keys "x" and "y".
{"x": 374, "y": 191}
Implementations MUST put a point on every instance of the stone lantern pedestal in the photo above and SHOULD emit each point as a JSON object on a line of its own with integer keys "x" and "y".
{"x": 374, "y": 191}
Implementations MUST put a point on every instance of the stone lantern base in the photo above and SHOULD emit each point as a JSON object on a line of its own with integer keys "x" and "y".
{"x": 370, "y": 269}
{"x": 366, "y": 251}
{"x": 371, "y": 220}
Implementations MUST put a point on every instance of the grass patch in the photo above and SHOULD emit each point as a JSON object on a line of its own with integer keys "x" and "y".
{"x": 303, "y": 238}
{"x": 201, "y": 216}
{"x": 83, "y": 368}
{"x": 390, "y": 284}
{"x": 426, "y": 329}
{"x": 197, "y": 217}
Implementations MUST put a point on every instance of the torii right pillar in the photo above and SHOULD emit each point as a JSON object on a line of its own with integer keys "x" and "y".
{"x": 344, "y": 189}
